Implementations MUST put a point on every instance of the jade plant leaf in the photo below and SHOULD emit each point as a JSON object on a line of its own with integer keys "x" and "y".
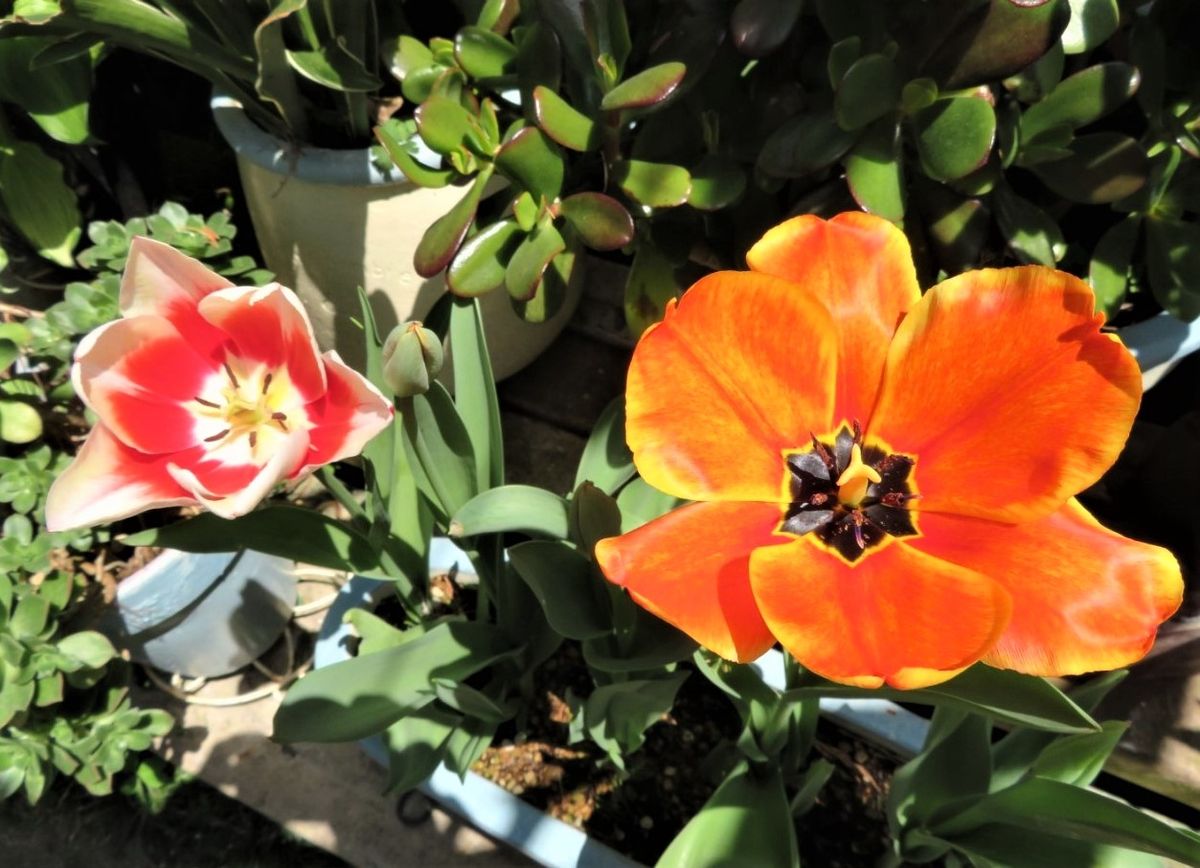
{"x": 716, "y": 183}
{"x": 957, "y": 226}
{"x": 601, "y": 221}
{"x": 653, "y": 281}
{"x": 804, "y": 144}
{"x": 1109, "y": 269}
{"x": 991, "y": 40}
{"x": 530, "y": 260}
{"x": 390, "y": 136}
{"x": 874, "y": 171}
{"x": 869, "y": 90}
{"x": 444, "y": 124}
{"x": 649, "y": 87}
{"x": 483, "y": 54}
{"x": 443, "y": 238}
{"x": 954, "y": 136}
{"x": 562, "y": 122}
{"x": 656, "y": 185}
{"x": 533, "y": 161}
{"x": 1173, "y": 261}
{"x": 552, "y": 294}
{"x": 479, "y": 266}
{"x": 1092, "y": 23}
{"x": 759, "y": 27}
{"x": 1031, "y": 233}
{"x": 566, "y": 585}
{"x": 1084, "y": 97}
{"x": 1101, "y": 168}
{"x": 747, "y": 821}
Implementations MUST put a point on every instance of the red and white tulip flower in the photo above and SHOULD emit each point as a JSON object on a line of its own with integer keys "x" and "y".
{"x": 206, "y": 393}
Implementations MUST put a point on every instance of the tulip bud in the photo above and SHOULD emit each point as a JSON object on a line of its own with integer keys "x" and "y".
{"x": 412, "y": 357}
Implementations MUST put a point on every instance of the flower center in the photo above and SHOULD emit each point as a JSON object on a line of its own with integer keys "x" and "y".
{"x": 851, "y": 495}
{"x": 250, "y": 405}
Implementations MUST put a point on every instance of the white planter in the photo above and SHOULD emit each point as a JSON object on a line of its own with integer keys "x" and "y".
{"x": 329, "y": 222}
{"x": 202, "y": 614}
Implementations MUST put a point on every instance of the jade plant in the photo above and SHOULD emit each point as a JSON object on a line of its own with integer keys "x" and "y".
{"x": 308, "y": 72}
{"x": 991, "y": 130}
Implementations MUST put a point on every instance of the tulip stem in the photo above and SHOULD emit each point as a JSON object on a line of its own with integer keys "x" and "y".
{"x": 341, "y": 493}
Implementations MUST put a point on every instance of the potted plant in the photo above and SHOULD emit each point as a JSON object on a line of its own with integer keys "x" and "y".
{"x": 298, "y": 90}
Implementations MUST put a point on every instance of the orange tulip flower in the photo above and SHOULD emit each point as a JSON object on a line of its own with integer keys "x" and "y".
{"x": 886, "y": 481}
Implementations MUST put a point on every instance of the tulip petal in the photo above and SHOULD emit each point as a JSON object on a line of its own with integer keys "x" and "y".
{"x": 231, "y": 490}
{"x": 346, "y": 417}
{"x": 108, "y": 481}
{"x": 1084, "y": 598}
{"x": 860, "y": 267}
{"x": 691, "y": 568}
{"x": 269, "y": 325}
{"x": 898, "y": 615}
{"x": 719, "y": 388}
{"x": 1003, "y": 387}
{"x": 161, "y": 281}
{"x": 139, "y": 374}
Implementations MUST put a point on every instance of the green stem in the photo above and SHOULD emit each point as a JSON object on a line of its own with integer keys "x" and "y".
{"x": 342, "y": 494}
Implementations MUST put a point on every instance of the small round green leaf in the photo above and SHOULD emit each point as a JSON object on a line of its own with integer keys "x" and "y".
{"x": 19, "y": 422}
{"x": 759, "y": 27}
{"x": 874, "y": 172}
{"x": 954, "y": 136}
{"x": 1173, "y": 261}
{"x": 804, "y": 144}
{"x": 562, "y": 122}
{"x": 1092, "y": 23}
{"x": 1101, "y": 168}
{"x": 1109, "y": 270}
{"x": 716, "y": 183}
{"x": 1082, "y": 98}
{"x": 601, "y": 221}
{"x": 1032, "y": 234}
{"x": 524, "y": 273}
{"x": 443, "y": 123}
{"x": 533, "y": 161}
{"x": 442, "y": 239}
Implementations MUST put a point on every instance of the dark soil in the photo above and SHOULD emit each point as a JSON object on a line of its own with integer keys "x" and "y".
{"x": 198, "y": 828}
{"x": 685, "y": 756}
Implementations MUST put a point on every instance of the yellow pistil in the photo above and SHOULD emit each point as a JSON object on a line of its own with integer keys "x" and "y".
{"x": 852, "y": 484}
{"x": 250, "y": 405}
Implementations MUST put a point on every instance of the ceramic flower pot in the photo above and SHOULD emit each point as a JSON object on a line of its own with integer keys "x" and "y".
{"x": 329, "y": 221}
{"x": 202, "y": 614}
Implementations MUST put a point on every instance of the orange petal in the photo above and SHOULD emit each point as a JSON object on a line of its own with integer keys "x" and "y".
{"x": 898, "y": 615}
{"x": 861, "y": 269}
{"x": 691, "y": 568}
{"x": 1002, "y": 386}
{"x": 1084, "y": 598}
{"x": 741, "y": 369}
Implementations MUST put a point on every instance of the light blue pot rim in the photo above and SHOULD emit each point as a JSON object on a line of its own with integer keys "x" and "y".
{"x": 1161, "y": 339}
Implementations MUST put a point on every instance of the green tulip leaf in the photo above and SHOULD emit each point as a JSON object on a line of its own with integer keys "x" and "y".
{"x": 444, "y": 237}
{"x": 1082, "y": 98}
{"x": 530, "y": 260}
{"x": 616, "y": 716}
{"x": 954, "y": 136}
{"x": 601, "y": 221}
{"x": 1101, "y": 168}
{"x": 607, "y": 462}
{"x": 655, "y": 185}
{"x": 39, "y": 202}
{"x": 483, "y": 54}
{"x": 334, "y": 66}
{"x": 716, "y": 183}
{"x": 56, "y": 95}
{"x": 513, "y": 508}
{"x": 870, "y": 89}
{"x": 747, "y": 821}
{"x": 1092, "y": 23}
{"x": 535, "y": 162}
{"x": 804, "y": 143}
{"x": 649, "y": 87}
{"x": 874, "y": 171}
{"x": 562, "y": 122}
{"x": 479, "y": 266}
{"x": 570, "y": 591}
